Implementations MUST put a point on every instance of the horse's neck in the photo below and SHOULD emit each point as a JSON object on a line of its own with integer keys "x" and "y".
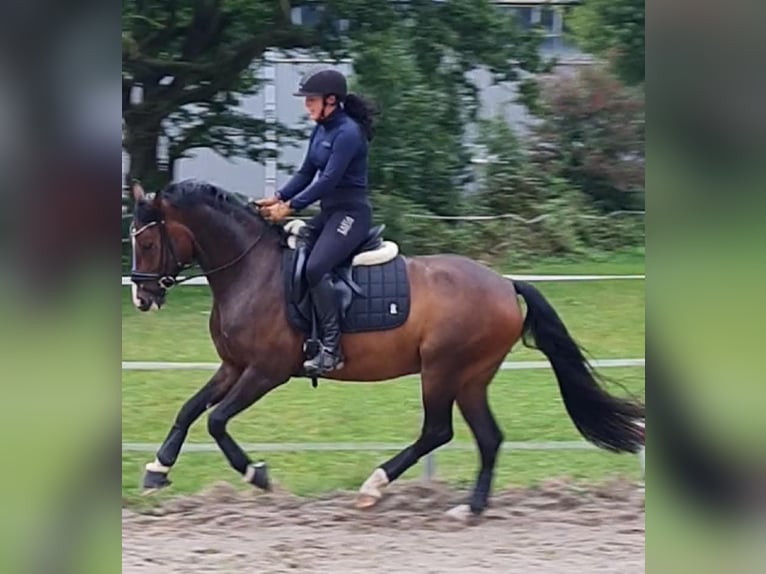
{"x": 236, "y": 256}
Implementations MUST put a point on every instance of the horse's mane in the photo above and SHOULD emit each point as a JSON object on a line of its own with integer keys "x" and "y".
{"x": 191, "y": 193}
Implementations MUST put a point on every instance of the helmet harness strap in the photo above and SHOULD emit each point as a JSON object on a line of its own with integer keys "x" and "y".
{"x": 324, "y": 106}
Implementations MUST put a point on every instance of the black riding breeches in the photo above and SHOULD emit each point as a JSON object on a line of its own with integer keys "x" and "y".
{"x": 335, "y": 236}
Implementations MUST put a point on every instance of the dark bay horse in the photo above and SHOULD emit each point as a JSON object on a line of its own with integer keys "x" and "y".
{"x": 464, "y": 319}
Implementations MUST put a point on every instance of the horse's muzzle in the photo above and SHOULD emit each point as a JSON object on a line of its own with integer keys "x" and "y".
{"x": 146, "y": 299}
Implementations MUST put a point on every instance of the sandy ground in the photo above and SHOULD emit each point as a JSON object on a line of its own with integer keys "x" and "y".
{"x": 554, "y": 528}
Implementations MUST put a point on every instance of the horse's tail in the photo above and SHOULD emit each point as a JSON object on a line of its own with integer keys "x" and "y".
{"x": 608, "y": 422}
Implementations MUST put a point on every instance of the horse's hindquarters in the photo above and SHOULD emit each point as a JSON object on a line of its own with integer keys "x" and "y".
{"x": 461, "y": 314}
{"x": 471, "y": 314}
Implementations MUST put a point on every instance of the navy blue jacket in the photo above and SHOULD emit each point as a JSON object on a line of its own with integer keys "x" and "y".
{"x": 338, "y": 152}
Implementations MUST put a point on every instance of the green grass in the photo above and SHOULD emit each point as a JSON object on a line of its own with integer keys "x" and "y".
{"x": 527, "y": 405}
{"x": 313, "y": 473}
{"x": 628, "y": 262}
{"x": 606, "y": 317}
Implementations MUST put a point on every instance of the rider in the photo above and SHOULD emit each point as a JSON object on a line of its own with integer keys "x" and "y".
{"x": 337, "y": 151}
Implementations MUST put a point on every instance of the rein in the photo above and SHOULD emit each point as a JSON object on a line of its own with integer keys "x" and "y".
{"x": 166, "y": 280}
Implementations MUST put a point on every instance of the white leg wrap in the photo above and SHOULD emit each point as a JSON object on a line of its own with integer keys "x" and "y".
{"x": 462, "y": 512}
{"x": 374, "y": 483}
{"x": 157, "y": 466}
{"x": 250, "y": 471}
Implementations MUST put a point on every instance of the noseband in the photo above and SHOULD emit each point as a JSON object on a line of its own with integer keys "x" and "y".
{"x": 164, "y": 278}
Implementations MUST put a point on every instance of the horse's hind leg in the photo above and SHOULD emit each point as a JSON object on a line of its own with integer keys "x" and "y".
{"x": 156, "y": 473}
{"x": 438, "y": 398}
{"x": 250, "y": 387}
{"x": 473, "y": 404}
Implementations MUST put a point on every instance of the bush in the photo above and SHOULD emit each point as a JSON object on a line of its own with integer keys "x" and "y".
{"x": 592, "y": 134}
{"x": 416, "y": 235}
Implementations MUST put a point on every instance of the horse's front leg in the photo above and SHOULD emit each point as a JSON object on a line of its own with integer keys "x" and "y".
{"x": 251, "y": 386}
{"x": 156, "y": 474}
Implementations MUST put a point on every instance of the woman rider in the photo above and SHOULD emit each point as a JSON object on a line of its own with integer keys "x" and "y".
{"x": 337, "y": 151}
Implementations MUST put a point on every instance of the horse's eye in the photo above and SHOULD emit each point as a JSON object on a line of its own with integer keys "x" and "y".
{"x": 147, "y": 246}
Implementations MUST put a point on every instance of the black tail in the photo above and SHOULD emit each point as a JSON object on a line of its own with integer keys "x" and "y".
{"x": 606, "y": 421}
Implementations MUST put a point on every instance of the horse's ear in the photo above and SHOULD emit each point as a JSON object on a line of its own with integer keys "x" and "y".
{"x": 138, "y": 192}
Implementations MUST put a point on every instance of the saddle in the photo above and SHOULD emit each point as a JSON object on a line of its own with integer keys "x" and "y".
{"x": 374, "y": 250}
{"x": 371, "y": 285}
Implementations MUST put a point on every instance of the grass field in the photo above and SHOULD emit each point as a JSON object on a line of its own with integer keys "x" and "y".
{"x": 606, "y": 317}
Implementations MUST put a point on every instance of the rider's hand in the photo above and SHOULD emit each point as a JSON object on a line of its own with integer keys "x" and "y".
{"x": 278, "y": 211}
{"x": 267, "y": 201}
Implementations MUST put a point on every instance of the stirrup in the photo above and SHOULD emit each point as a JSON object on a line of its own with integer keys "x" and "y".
{"x": 324, "y": 361}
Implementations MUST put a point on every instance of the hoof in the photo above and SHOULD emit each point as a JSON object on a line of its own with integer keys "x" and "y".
{"x": 462, "y": 513}
{"x": 154, "y": 481}
{"x": 258, "y": 475}
{"x": 371, "y": 491}
{"x": 365, "y": 501}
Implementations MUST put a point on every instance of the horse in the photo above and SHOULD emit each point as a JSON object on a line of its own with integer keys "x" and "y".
{"x": 460, "y": 322}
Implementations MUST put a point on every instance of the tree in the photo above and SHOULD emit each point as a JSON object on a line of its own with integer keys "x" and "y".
{"x": 615, "y": 29}
{"x": 192, "y": 60}
{"x": 592, "y": 134}
{"x": 418, "y": 72}
{"x": 195, "y": 59}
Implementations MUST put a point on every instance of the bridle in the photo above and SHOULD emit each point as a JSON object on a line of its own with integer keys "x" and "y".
{"x": 167, "y": 279}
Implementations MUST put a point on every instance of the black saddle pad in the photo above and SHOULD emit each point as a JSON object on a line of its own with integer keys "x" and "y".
{"x": 384, "y": 303}
{"x": 386, "y": 300}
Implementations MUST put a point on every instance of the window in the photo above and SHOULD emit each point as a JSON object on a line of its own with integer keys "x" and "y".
{"x": 523, "y": 15}
{"x": 546, "y": 18}
{"x": 306, "y": 15}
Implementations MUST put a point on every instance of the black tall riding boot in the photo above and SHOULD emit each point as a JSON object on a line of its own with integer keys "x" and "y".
{"x": 328, "y": 316}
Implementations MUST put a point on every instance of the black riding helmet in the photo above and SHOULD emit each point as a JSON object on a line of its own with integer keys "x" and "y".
{"x": 323, "y": 82}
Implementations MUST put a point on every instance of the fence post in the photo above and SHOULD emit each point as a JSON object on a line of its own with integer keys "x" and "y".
{"x": 269, "y": 75}
{"x": 430, "y": 466}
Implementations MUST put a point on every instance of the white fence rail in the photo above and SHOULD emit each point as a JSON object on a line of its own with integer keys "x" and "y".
{"x": 507, "y": 366}
{"x": 540, "y": 278}
{"x": 354, "y": 446}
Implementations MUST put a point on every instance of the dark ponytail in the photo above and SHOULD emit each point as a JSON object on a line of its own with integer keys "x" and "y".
{"x": 361, "y": 110}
